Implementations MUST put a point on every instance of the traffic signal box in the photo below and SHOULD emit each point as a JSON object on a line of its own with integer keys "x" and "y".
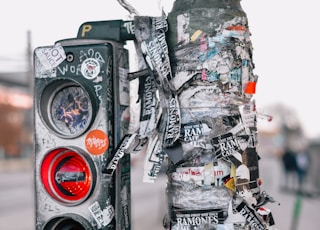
{"x": 81, "y": 114}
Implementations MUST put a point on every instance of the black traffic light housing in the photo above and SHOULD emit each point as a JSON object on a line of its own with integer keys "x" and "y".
{"x": 81, "y": 113}
{"x": 115, "y": 30}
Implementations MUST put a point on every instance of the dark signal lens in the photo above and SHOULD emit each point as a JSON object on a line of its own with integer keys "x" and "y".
{"x": 67, "y": 223}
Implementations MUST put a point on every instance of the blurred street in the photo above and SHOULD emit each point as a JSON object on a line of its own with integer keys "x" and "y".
{"x": 148, "y": 200}
{"x": 17, "y": 197}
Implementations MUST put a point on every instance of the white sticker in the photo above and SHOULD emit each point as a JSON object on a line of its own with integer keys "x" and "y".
{"x": 124, "y": 87}
{"x": 210, "y": 174}
{"x": 248, "y": 115}
{"x": 90, "y": 68}
{"x": 108, "y": 214}
{"x": 51, "y": 57}
{"x": 103, "y": 217}
{"x": 183, "y": 21}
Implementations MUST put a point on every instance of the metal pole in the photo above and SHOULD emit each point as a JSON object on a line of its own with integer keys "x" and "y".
{"x": 29, "y": 61}
{"x": 296, "y": 212}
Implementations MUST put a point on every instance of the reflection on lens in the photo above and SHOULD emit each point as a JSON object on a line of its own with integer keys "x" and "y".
{"x": 67, "y": 176}
{"x": 71, "y": 110}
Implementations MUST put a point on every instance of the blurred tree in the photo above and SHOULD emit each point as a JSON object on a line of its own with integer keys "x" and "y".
{"x": 11, "y": 123}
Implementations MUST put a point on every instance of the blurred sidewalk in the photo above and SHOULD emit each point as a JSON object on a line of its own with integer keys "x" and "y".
{"x": 292, "y": 210}
{"x": 149, "y": 204}
{"x": 16, "y": 164}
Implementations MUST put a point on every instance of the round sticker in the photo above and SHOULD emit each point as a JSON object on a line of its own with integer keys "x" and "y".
{"x": 97, "y": 142}
{"x": 90, "y": 68}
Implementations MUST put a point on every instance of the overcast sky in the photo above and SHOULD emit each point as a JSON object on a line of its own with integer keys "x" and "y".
{"x": 284, "y": 36}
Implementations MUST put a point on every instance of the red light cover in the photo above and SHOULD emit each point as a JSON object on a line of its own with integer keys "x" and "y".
{"x": 66, "y": 176}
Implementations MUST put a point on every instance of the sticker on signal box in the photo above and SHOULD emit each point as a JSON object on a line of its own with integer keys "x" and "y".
{"x": 90, "y": 68}
{"x": 103, "y": 217}
{"x": 51, "y": 57}
{"x": 97, "y": 142}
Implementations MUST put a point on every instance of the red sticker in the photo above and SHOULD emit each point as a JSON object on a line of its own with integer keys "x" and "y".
{"x": 251, "y": 88}
{"x": 97, "y": 142}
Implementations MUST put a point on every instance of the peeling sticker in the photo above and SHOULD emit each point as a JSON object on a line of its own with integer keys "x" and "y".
{"x": 51, "y": 57}
{"x": 103, "y": 217}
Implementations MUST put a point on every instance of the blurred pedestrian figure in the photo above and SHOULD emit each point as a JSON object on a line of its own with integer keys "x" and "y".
{"x": 303, "y": 162}
{"x": 290, "y": 168}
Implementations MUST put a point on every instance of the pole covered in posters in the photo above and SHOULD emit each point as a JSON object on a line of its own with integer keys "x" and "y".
{"x": 215, "y": 184}
{"x": 197, "y": 108}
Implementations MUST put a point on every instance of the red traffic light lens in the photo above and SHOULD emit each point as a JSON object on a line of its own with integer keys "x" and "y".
{"x": 66, "y": 176}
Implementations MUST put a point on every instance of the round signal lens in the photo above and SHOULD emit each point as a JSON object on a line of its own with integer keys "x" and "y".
{"x": 66, "y": 108}
{"x": 71, "y": 110}
{"x": 67, "y": 176}
{"x": 69, "y": 222}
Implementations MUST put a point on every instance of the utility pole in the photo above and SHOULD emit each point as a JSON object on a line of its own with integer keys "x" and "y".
{"x": 216, "y": 180}
{"x": 29, "y": 61}
{"x": 208, "y": 128}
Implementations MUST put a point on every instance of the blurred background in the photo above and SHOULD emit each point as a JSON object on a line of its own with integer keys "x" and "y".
{"x": 285, "y": 56}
